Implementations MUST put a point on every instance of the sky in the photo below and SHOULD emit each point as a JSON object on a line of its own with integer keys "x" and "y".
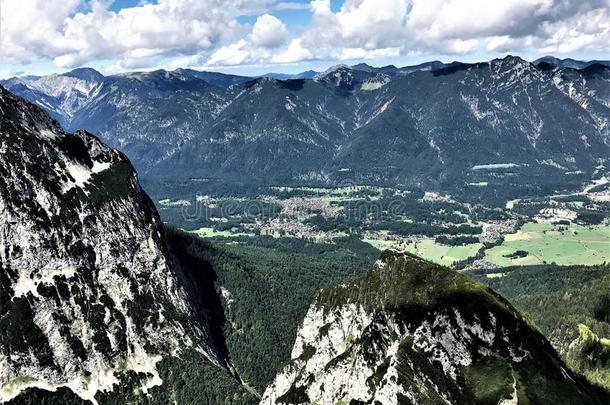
{"x": 252, "y": 37}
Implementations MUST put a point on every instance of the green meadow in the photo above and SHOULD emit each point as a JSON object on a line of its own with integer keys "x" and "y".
{"x": 548, "y": 243}
{"x": 429, "y": 249}
{"x": 206, "y": 232}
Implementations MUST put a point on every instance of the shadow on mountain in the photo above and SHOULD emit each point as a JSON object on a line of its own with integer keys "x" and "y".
{"x": 203, "y": 279}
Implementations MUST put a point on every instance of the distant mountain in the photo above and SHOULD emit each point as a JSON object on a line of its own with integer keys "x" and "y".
{"x": 393, "y": 70}
{"x": 363, "y": 67}
{"x": 309, "y": 74}
{"x": 92, "y": 302}
{"x": 412, "y": 332}
{"x": 62, "y": 95}
{"x": 568, "y": 62}
{"x": 347, "y": 79}
{"x": 85, "y": 74}
{"x": 221, "y": 80}
{"x": 390, "y": 69}
{"x": 523, "y": 127}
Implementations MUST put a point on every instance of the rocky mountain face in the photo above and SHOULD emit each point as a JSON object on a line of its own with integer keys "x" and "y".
{"x": 411, "y": 332}
{"x": 60, "y": 95}
{"x": 89, "y": 294}
{"x": 431, "y": 124}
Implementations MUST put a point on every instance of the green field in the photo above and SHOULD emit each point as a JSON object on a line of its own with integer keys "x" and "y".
{"x": 548, "y": 243}
{"x": 211, "y": 233}
{"x": 429, "y": 249}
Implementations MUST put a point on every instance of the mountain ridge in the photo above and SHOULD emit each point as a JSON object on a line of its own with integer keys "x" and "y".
{"x": 431, "y": 124}
{"x": 409, "y": 331}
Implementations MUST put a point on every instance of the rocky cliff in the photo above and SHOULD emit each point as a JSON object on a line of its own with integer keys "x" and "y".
{"x": 412, "y": 332}
{"x": 88, "y": 291}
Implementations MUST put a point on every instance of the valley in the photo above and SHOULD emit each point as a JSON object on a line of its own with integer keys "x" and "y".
{"x": 562, "y": 229}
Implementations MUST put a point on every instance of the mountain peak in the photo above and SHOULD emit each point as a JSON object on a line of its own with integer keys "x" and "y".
{"x": 401, "y": 280}
{"x": 510, "y": 59}
{"x": 512, "y": 65}
{"x": 410, "y": 331}
{"x": 363, "y": 66}
{"x": 339, "y": 68}
{"x": 86, "y": 74}
{"x": 342, "y": 77}
{"x": 548, "y": 60}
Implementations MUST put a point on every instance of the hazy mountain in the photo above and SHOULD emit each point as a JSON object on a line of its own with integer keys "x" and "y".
{"x": 221, "y": 80}
{"x": 411, "y": 332}
{"x": 308, "y": 74}
{"x": 568, "y": 62}
{"x": 405, "y": 70}
{"x": 85, "y": 74}
{"x": 426, "y": 127}
{"x": 430, "y": 124}
{"x": 389, "y": 69}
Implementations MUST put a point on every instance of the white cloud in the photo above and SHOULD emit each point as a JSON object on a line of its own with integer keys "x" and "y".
{"x": 186, "y": 61}
{"x": 207, "y": 32}
{"x": 268, "y": 32}
{"x": 294, "y": 53}
{"x": 363, "y": 28}
{"x": 288, "y": 5}
{"x": 234, "y": 54}
{"x": 446, "y": 25}
{"x": 361, "y": 53}
{"x": 589, "y": 30}
{"x": 29, "y": 29}
{"x": 359, "y": 24}
{"x": 468, "y": 19}
{"x": 36, "y": 29}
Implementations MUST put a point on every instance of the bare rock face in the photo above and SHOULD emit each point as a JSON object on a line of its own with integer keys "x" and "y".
{"x": 87, "y": 288}
{"x": 412, "y": 332}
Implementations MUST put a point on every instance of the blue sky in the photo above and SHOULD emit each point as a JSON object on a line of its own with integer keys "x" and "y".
{"x": 257, "y": 36}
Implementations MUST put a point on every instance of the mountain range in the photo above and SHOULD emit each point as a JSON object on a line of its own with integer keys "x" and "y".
{"x": 432, "y": 125}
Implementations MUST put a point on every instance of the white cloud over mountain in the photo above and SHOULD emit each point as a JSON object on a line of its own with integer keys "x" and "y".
{"x": 268, "y": 32}
{"x": 209, "y": 32}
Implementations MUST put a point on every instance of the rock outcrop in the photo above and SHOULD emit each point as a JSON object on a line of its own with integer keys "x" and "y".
{"x": 88, "y": 290}
{"x": 412, "y": 332}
